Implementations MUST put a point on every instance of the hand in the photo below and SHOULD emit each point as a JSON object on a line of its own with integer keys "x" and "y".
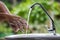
{"x": 16, "y": 23}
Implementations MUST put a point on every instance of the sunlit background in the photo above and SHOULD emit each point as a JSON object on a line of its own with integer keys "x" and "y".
{"x": 39, "y": 21}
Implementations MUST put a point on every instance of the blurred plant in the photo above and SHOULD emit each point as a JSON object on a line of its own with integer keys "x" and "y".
{"x": 56, "y": 8}
{"x": 37, "y": 13}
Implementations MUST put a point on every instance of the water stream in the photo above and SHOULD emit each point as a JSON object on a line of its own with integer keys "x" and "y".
{"x": 28, "y": 18}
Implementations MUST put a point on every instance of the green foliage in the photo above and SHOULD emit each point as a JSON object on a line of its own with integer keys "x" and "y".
{"x": 36, "y": 15}
{"x": 4, "y": 29}
{"x": 56, "y": 8}
{"x": 21, "y": 9}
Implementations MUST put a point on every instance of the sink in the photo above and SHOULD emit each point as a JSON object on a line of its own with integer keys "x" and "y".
{"x": 40, "y": 36}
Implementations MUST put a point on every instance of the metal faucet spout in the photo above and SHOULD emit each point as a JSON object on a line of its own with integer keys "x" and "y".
{"x": 53, "y": 27}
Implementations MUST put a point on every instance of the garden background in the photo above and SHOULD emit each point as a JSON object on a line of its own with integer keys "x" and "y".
{"x": 39, "y": 21}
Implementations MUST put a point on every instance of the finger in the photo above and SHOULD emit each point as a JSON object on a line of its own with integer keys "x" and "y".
{"x": 14, "y": 25}
{"x": 24, "y": 23}
{"x": 14, "y": 28}
{"x": 20, "y": 25}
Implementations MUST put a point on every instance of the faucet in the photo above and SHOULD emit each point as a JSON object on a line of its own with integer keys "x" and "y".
{"x": 53, "y": 30}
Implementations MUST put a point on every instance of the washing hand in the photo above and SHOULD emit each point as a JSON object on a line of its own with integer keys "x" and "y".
{"x": 17, "y": 23}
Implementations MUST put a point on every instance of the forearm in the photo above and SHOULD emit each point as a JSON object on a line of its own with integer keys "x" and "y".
{"x": 3, "y": 8}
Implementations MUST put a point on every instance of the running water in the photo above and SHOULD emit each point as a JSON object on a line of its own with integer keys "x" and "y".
{"x": 28, "y": 18}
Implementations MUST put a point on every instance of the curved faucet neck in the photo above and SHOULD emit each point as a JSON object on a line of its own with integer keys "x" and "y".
{"x": 53, "y": 27}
